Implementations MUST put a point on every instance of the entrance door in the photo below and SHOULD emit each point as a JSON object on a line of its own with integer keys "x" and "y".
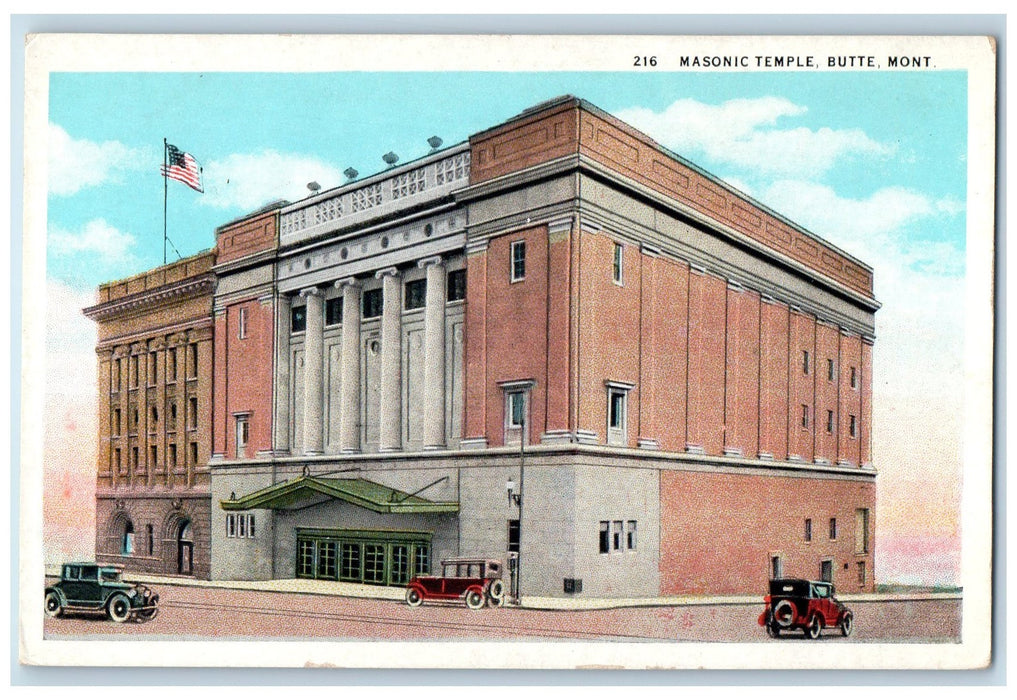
{"x": 185, "y": 549}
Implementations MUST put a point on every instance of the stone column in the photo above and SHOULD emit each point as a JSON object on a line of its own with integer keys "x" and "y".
{"x": 281, "y": 426}
{"x": 124, "y": 355}
{"x": 314, "y": 345}
{"x": 390, "y": 391}
{"x": 349, "y": 423}
{"x": 434, "y": 354}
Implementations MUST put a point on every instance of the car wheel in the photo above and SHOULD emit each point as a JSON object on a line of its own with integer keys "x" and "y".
{"x": 815, "y": 625}
{"x": 847, "y": 623}
{"x": 496, "y": 592}
{"x": 148, "y": 615}
{"x": 784, "y": 613}
{"x": 772, "y": 630}
{"x": 413, "y": 598}
{"x": 474, "y": 599}
{"x": 119, "y": 608}
{"x": 53, "y": 606}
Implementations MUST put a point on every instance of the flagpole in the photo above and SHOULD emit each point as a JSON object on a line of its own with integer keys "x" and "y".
{"x": 165, "y": 194}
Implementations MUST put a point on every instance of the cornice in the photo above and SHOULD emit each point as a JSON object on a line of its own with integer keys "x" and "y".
{"x": 149, "y": 298}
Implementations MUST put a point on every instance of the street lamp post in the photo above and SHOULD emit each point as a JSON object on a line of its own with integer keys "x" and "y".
{"x": 516, "y": 497}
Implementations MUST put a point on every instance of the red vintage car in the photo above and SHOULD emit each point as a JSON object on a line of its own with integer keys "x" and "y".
{"x": 476, "y": 581}
{"x": 806, "y": 605}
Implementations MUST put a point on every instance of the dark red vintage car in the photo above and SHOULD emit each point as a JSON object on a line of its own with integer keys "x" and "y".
{"x": 806, "y": 605}
{"x": 475, "y": 581}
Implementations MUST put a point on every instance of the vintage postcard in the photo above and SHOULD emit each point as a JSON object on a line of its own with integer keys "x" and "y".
{"x": 537, "y": 352}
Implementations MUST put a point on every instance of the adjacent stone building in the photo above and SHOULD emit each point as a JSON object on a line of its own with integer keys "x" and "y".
{"x": 155, "y": 393}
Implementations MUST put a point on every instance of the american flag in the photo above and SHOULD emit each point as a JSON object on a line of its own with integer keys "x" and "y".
{"x": 182, "y": 167}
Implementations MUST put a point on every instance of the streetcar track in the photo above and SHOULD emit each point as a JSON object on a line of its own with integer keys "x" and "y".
{"x": 403, "y": 622}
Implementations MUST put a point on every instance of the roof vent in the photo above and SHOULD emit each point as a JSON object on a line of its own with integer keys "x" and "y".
{"x": 435, "y": 143}
{"x": 390, "y": 158}
{"x": 351, "y": 173}
{"x": 313, "y": 187}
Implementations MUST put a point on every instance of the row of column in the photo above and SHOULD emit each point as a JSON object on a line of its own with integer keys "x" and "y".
{"x": 390, "y": 385}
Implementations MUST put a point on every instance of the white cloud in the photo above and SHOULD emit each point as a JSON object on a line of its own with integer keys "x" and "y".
{"x": 744, "y": 133}
{"x": 96, "y": 236}
{"x": 250, "y": 180}
{"x": 75, "y": 164}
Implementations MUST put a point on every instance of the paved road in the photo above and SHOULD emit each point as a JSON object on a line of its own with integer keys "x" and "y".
{"x": 211, "y": 613}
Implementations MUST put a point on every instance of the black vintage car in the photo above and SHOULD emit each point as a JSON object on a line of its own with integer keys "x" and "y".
{"x": 87, "y": 587}
{"x": 806, "y": 605}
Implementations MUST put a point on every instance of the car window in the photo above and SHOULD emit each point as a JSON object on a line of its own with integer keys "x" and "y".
{"x": 89, "y": 573}
{"x": 71, "y": 572}
{"x": 110, "y": 575}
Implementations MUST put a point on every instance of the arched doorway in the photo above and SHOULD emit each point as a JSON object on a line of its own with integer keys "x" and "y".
{"x": 185, "y": 548}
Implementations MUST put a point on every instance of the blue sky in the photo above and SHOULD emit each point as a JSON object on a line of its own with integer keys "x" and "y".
{"x": 874, "y": 162}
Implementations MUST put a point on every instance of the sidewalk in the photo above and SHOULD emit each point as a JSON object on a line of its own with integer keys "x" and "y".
{"x": 358, "y": 590}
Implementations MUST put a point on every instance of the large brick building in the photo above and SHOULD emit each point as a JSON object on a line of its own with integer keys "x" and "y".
{"x": 556, "y": 341}
{"x": 155, "y": 391}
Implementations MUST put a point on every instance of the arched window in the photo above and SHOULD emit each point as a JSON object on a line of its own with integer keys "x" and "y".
{"x": 127, "y": 542}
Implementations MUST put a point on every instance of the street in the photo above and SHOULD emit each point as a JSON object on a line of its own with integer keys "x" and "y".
{"x": 210, "y": 613}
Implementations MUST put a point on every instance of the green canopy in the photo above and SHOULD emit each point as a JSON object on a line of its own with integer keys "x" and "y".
{"x": 307, "y": 491}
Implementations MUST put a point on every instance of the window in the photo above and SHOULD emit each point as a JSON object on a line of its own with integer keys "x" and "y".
{"x": 333, "y": 311}
{"x": 150, "y": 536}
{"x": 862, "y": 531}
{"x": 605, "y": 536}
{"x": 153, "y": 368}
{"x": 192, "y": 360}
{"x": 416, "y": 294}
{"x": 298, "y": 319}
{"x": 231, "y": 525}
{"x": 116, "y": 421}
{"x": 518, "y": 260}
{"x": 616, "y": 536}
{"x": 808, "y": 529}
{"x": 243, "y": 433}
{"x": 854, "y": 378}
{"x": 513, "y": 536}
{"x": 805, "y": 361}
{"x": 117, "y": 460}
{"x": 242, "y": 525}
{"x": 171, "y": 365}
{"x": 776, "y": 567}
{"x": 173, "y": 415}
{"x": 516, "y": 408}
{"x": 833, "y": 528}
{"x": 805, "y": 416}
{"x": 127, "y": 541}
{"x": 134, "y": 421}
{"x": 153, "y": 456}
{"x": 192, "y": 407}
{"x": 617, "y": 264}
{"x": 861, "y": 574}
{"x": 117, "y": 385}
{"x": 826, "y": 570}
{"x": 853, "y": 427}
{"x": 829, "y": 421}
{"x": 171, "y": 452}
{"x": 456, "y": 287}
{"x": 830, "y": 370}
{"x": 616, "y": 431}
{"x": 242, "y": 324}
{"x": 630, "y": 535}
{"x": 134, "y": 371}
{"x": 134, "y": 458}
{"x": 373, "y": 303}
{"x": 194, "y": 453}
{"x": 155, "y": 420}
